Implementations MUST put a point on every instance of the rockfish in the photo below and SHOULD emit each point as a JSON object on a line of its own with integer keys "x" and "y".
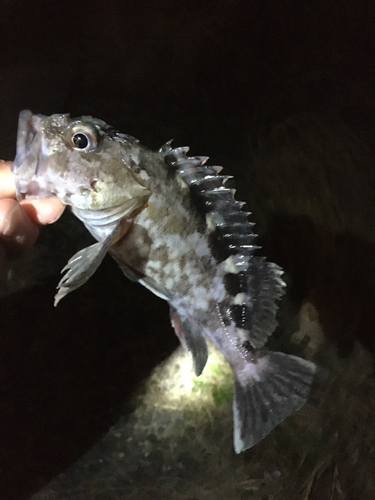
{"x": 172, "y": 224}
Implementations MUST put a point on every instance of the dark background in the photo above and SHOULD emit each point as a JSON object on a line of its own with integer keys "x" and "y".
{"x": 279, "y": 92}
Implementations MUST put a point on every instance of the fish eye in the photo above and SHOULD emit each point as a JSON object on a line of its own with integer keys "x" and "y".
{"x": 80, "y": 140}
{"x": 82, "y": 137}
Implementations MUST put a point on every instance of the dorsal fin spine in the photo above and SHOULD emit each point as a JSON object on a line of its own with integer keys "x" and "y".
{"x": 223, "y": 211}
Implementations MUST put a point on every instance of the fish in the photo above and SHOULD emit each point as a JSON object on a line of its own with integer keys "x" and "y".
{"x": 173, "y": 224}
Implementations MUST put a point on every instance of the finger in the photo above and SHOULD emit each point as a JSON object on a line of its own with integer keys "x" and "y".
{"x": 7, "y": 186}
{"x": 43, "y": 210}
{"x": 17, "y": 231}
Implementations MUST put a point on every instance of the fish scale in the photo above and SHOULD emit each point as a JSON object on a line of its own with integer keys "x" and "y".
{"x": 172, "y": 224}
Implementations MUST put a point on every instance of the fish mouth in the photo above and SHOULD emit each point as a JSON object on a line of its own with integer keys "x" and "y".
{"x": 29, "y": 162}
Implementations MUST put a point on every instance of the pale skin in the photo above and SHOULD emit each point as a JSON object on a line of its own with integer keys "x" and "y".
{"x": 20, "y": 221}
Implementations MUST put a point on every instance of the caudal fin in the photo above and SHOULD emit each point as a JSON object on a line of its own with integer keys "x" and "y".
{"x": 271, "y": 387}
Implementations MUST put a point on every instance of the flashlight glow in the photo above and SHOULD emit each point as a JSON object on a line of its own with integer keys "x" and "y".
{"x": 177, "y": 397}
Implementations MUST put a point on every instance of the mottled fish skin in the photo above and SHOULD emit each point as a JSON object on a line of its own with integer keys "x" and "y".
{"x": 172, "y": 223}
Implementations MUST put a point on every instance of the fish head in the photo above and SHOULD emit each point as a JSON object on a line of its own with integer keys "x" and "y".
{"x": 83, "y": 162}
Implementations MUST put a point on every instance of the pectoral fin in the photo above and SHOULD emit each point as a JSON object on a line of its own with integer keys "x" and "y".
{"x": 191, "y": 340}
{"x": 81, "y": 267}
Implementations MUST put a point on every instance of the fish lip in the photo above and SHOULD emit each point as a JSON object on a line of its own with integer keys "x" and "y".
{"x": 25, "y": 135}
{"x": 29, "y": 158}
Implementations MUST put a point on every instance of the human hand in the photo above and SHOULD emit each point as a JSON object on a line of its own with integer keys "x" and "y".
{"x": 19, "y": 221}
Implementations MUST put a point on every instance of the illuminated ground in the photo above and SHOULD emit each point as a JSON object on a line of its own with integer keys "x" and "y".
{"x": 177, "y": 444}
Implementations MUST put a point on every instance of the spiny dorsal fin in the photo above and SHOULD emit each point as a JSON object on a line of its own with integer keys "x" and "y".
{"x": 230, "y": 231}
{"x": 253, "y": 283}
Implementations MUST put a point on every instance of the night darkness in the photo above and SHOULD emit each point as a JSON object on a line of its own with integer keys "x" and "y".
{"x": 281, "y": 93}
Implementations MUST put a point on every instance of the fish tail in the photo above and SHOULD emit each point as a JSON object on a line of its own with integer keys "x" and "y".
{"x": 269, "y": 388}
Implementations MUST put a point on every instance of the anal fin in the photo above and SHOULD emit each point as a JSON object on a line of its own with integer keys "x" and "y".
{"x": 269, "y": 388}
{"x": 191, "y": 340}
